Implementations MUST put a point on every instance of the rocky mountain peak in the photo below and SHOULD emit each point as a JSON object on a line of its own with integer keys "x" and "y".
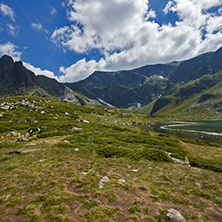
{"x": 6, "y": 62}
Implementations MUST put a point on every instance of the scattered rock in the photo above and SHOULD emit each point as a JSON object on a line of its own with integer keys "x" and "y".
{"x": 66, "y": 113}
{"x": 76, "y": 129}
{"x": 42, "y": 112}
{"x": 103, "y": 180}
{"x": 27, "y": 134}
{"x": 35, "y": 130}
{"x": 15, "y": 134}
{"x": 76, "y": 149}
{"x": 42, "y": 160}
{"x": 85, "y": 121}
{"x": 198, "y": 185}
{"x": 19, "y": 139}
{"x": 5, "y": 107}
{"x": 121, "y": 181}
{"x": 29, "y": 151}
{"x": 1, "y": 115}
{"x": 186, "y": 162}
{"x": 32, "y": 144}
{"x": 175, "y": 216}
{"x": 135, "y": 170}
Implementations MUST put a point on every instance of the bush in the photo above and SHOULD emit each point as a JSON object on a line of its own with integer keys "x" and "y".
{"x": 205, "y": 163}
{"x": 108, "y": 152}
{"x": 155, "y": 155}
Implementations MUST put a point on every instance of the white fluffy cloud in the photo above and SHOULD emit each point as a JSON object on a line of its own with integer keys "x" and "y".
{"x": 11, "y": 50}
{"x": 39, "y": 71}
{"x": 80, "y": 70}
{"x": 7, "y": 11}
{"x": 127, "y": 37}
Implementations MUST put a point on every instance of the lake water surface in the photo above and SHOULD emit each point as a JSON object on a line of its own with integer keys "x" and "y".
{"x": 209, "y": 130}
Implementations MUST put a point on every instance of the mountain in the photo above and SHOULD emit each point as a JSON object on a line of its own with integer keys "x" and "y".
{"x": 15, "y": 79}
{"x": 158, "y": 89}
{"x": 123, "y": 89}
{"x": 194, "y": 88}
{"x": 190, "y": 88}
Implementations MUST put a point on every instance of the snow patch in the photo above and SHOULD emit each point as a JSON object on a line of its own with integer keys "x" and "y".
{"x": 105, "y": 103}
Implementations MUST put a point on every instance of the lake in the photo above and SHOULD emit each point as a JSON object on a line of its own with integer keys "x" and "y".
{"x": 209, "y": 130}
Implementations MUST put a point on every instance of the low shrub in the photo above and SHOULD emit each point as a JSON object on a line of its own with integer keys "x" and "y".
{"x": 205, "y": 163}
{"x": 155, "y": 155}
{"x": 111, "y": 151}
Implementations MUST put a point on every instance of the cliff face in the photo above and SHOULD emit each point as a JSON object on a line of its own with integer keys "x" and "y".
{"x": 15, "y": 79}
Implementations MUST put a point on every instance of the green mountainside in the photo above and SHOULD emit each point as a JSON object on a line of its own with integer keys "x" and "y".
{"x": 194, "y": 91}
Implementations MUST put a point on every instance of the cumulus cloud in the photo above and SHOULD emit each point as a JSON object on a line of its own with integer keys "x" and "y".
{"x": 39, "y": 71}
{"x": 127, "y": 36}
{"x": 7, "y": 11}
{"x": 79, "y": 70}
{"x": 11, "y": 50}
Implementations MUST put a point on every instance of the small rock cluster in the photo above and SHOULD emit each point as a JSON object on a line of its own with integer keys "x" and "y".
{"x": 24, "y": 102}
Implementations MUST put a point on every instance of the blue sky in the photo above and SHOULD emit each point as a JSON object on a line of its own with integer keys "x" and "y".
{"x": 69, "y": 39}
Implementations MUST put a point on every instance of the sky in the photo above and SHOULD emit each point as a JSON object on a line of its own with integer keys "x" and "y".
{"x": 70, "y": 39}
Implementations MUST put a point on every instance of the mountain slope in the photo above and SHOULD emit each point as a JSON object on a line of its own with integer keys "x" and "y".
{"x": 193, "y": 78}
{"x": 126, "y": 88}
{"x": 145, "y": 85}
{"x": 15, "y": 79}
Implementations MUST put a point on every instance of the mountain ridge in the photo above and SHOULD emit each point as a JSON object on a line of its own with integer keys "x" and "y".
{"x": 16, "y": 80}
{"x": 141, "y": 86}
{"x": 161, "y": 87}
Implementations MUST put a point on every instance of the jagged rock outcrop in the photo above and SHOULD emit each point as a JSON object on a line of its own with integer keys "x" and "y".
{"x": 16, "y": 80}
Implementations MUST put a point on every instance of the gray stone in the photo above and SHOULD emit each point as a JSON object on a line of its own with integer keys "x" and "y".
{"x": 27, "y": 135}
{"x": 76, "y": 129}
{"x": 186, "y": 162}
{"x": 103, "y": 180}
{"x": 121, "y": 181}
{"x": 175, "y": 216}
{"x": 15, "y": 134}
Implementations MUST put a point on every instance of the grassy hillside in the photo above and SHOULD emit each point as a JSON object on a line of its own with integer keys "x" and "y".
{"x": 196, "y": 99}
{"x": 62, "y": 162}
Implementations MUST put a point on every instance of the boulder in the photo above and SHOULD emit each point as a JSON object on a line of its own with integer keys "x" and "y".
{"x": 175, "y": 216}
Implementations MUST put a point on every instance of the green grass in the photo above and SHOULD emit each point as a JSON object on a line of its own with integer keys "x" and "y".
{"x": 59, "y": 180}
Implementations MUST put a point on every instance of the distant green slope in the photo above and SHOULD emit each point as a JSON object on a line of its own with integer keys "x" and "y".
{"x": 199, "y": 99}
